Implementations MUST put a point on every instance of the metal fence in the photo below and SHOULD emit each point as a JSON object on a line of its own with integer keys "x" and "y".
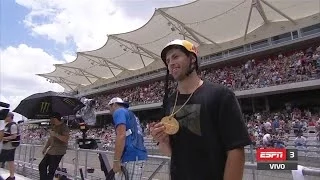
{"x": 28, "y": 156}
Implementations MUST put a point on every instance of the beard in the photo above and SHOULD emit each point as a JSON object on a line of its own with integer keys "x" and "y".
{"x": 180, "y": 76}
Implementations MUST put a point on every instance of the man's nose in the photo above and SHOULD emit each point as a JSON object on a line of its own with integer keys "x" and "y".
{"x": 170, "y": 61}
{"x": 171, "y": 64}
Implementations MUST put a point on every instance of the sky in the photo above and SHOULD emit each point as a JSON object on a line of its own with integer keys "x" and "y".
{"x": 35, "y": 34}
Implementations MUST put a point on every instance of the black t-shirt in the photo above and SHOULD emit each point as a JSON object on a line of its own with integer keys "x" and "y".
{"x": 211, "y": 123}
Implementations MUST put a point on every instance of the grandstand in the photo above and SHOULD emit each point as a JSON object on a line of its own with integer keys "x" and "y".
{"x": 268, "y": 52}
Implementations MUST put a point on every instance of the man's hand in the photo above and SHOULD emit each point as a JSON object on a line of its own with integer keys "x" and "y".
{"x": 44, "y": 151}
{"x": 116, "y": 166}
{"x": 157, "y": 132}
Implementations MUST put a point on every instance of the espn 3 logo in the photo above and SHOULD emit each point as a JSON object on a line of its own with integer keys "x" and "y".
{"x": 271, "y": 155}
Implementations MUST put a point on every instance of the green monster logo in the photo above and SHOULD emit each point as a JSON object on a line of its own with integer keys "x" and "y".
{"x": 44, "y": 107}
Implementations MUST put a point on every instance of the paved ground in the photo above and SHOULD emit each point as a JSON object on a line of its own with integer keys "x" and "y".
{"x": 5, "y": 173}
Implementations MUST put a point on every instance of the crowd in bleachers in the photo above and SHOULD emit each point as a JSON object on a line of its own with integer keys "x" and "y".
{"x": 255, "y": 73}
{"x": 39, "y": 135}
{"x": 34, "y": 135}
{"x": 273, "y": 129}
{"x": 265, "y": 129}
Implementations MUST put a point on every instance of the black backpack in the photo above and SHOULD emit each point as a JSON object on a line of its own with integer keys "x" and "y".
{"x": 14, "y": 142}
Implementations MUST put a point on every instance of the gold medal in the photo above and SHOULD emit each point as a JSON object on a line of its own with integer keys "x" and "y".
{"x": 171, "y": 124}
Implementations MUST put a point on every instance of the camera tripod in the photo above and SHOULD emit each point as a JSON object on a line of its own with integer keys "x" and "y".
{"x": 88, "y": 143}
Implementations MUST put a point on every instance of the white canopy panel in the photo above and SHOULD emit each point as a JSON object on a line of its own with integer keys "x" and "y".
{"x": 125, "y": 56}
{"x": 202, "y": 22}
{"x": 91, "y": 67}
{"x": 225, "y": 20}
{"x": 67, "y": 85}
{"x": 68, "y": 75}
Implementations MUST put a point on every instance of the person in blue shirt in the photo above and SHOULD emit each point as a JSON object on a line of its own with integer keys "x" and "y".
{"x": 275, "y": 123}
{"x": 130, "y": 151}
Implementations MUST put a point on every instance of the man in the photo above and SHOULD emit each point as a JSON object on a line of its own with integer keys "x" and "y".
{"x": 130, "y": 151}
{"x": 209, "y": 143}
{"x": 55, "y": 147}
{"x": 267, "y": 140}
{"x": 11, "y": 140}
{"x": 300, "y": 141}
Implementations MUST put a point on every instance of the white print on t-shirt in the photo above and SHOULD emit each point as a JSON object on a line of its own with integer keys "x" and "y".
{"x": 189, "y": 117}
{"x": 138, "y": 126}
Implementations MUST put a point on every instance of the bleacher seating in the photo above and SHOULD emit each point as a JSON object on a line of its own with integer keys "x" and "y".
{"x": 288, "y": 67}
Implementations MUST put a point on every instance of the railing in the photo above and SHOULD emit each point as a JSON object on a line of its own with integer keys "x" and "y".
{"x": 157, "y": 167}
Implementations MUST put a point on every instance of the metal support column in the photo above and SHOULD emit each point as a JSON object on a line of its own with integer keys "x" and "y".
{"x": 253, "y": 105}
{"x": 266, "y": 100}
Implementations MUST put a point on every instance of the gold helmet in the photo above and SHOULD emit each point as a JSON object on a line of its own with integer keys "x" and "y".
{"x": 184, "y": 43}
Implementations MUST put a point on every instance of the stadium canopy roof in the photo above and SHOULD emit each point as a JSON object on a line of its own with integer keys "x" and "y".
{"x": 203, "y": 22}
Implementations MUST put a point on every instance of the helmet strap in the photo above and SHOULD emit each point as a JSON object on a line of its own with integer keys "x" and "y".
{"x": 166, "y": 92}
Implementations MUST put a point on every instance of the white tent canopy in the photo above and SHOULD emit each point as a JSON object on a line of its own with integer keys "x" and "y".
{"x": 203, "y": 22}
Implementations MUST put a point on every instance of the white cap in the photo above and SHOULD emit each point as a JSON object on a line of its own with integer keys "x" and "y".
{"x": 119, "y": 101}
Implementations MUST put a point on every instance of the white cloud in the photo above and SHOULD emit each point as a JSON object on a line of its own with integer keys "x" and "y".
{"x": 84, "y": 22}
{"x": 18, "y": 68}
{"x": 69, "y": 57}
{"x": 3, "y": 99}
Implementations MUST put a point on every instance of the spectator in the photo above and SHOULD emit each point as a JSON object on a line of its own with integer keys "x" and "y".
{"x": 255, "y": 73}
{"x": 129, "y": 144}
{"x": 267, "y": 140}
{"x": 300, "y": 141}
{"x": 55, "y": 147}
{"x": 11, "y": 140}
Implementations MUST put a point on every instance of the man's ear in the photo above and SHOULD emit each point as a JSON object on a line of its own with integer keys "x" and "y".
{"x": 193, "y": 58}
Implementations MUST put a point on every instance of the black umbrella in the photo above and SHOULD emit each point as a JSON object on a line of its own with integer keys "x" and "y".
{"x": 41, "y": 105}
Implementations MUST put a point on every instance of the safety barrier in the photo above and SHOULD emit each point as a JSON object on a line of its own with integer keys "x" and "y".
{"x": 28, "y": 156}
